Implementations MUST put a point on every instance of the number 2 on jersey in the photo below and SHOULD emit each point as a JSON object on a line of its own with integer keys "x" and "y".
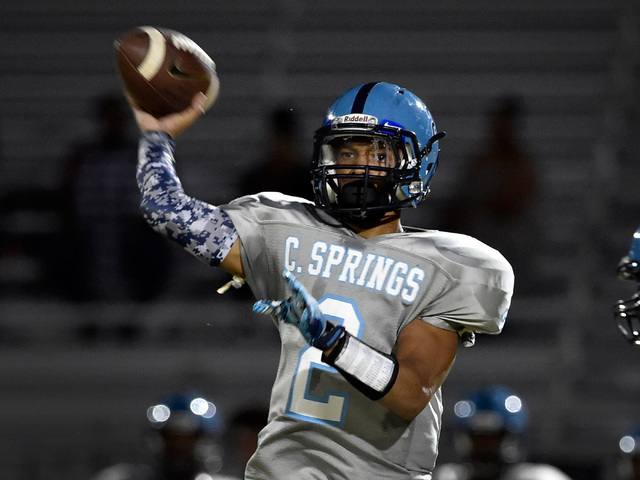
{"x": 330, "y": 408}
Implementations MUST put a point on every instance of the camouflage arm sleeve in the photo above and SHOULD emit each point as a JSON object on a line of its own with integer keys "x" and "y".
{"x": 202, "y": 229}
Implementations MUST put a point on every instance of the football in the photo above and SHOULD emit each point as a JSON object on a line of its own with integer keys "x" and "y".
{"x": 162, "y": 69}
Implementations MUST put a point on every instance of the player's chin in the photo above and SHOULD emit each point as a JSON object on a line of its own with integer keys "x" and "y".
{"x": 368, "y": 202}
{"x": 369, "y": 219}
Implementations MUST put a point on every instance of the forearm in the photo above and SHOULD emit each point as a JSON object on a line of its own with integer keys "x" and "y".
{"x": 381, "y": 377}
{"x": 409, "y": 396}
{"x": 406, "y": 381}
{"x": 200, "y": 228}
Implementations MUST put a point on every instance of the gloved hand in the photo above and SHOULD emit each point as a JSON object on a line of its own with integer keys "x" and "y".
{"x": 302, "y": 310}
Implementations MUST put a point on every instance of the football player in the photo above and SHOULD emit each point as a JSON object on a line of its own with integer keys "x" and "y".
{"x": 627, "y": 312}
{"x": 184, "y": 442}
{"x": 369, "y": 311}
{"x": 491, "y": 440}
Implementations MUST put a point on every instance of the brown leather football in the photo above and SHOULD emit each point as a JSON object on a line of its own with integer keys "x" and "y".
{"x": 162, "y": 70}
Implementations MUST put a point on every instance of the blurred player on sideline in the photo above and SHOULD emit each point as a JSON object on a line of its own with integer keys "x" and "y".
{"x": 369, "y": 311}
{"x": 184, "y": 442}
{"x": 491, "y": 440}
{"x": 627, "y": 312}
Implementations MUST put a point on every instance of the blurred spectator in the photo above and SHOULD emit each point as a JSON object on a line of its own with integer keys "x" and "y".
{"x": 491, "y": 440}
{"x": 28, "y": 222}
{"x": 498, "y": 191}
{"x": 108, "y": 252}
{"x": 184, "y": 443}
{"x": 282, "y": 169}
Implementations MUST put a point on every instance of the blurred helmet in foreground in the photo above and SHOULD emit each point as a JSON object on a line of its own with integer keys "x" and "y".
{"x": 492, "y": 425}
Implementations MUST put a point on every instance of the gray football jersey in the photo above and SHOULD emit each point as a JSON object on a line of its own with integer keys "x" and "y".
{"x": 320, "y": 427}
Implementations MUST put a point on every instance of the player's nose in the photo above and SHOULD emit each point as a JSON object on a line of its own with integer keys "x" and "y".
{"x": 359, "y": 160}
{"x": 364, "y": 156}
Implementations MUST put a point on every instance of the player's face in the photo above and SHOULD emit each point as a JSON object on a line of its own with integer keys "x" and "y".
{"x": 373, "y": 152}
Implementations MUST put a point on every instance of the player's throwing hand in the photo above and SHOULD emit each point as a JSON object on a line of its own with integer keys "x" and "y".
{"x": 302, "y": 310}
{"x": 173, "y": 124}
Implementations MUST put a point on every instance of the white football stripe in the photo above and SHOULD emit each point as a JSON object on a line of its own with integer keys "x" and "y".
{"x": 212, "y": 92}
{"x": 155, "y": 54}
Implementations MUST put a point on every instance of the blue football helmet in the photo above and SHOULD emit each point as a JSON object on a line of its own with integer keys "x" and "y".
{"x": 400, "y": 127}
{"x": 627, "y": 312}
{"x": 186, "y": 435}
{"x": 186, "y": 413}
{"x": 492, "y": 409}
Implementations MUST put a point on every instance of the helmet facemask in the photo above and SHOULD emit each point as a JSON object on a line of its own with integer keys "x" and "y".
{"x": 386, "y": 178}
{"x": 627, "y": 312}
{"x": 627, "y": 316}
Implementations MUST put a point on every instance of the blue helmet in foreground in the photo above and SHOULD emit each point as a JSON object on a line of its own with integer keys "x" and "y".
{"x": 185, "y": 436}
{"x": 187, "y": 413}
{"x": 492, "y": 409}
{"x": 492, "y": 426}
{"x": 394, "y": 119}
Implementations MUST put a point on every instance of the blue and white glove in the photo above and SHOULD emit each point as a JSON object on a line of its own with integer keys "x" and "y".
{"x": 302, "y": 310}
{"x": 367, "y": 369}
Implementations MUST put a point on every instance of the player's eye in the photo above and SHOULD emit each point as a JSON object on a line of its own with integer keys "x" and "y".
{"x": 345, "y": 156}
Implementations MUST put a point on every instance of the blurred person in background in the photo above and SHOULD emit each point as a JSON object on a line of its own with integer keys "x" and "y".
{"x": 491, "y": 440}
{"x": 283, "y": 168}
{"x": 183, "y": 442}
{"x": 499, "y": 189}
{"x": 627, "y": 312}
{"x": 106, "y": 252}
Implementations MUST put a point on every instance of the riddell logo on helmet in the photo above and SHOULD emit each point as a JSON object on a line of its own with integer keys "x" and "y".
{"x": 356, "y": 118}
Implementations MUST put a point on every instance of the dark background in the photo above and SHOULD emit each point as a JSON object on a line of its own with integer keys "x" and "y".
{"x": 77, "y": 372}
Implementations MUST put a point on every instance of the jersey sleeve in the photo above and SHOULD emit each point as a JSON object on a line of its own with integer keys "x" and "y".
{"x": 251, "y": 216}
{"x": 201, "y": 229}
{"x": 473, "y": 286}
